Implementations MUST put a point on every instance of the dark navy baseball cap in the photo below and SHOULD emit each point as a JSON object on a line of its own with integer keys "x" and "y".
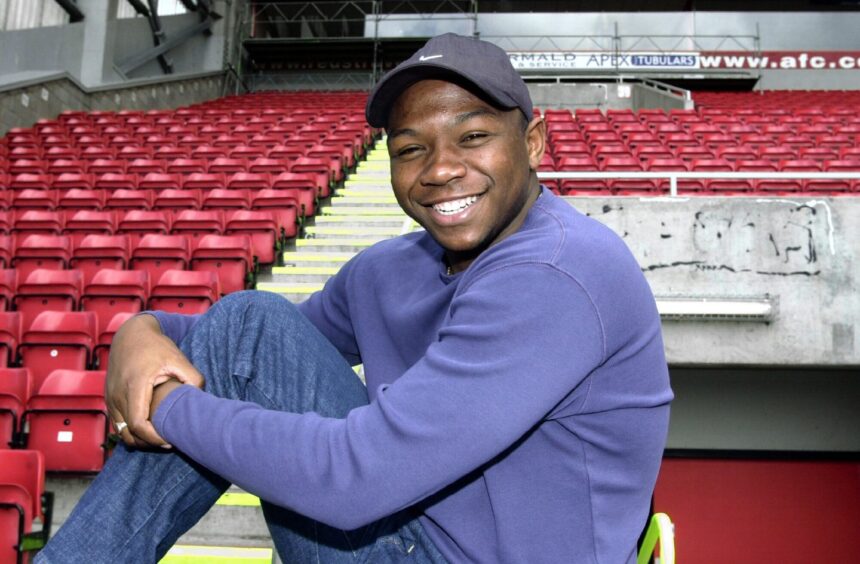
{"x": 483, "y": 66}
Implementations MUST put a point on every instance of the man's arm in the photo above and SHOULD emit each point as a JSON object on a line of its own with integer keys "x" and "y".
{"x": 491, "y": 376}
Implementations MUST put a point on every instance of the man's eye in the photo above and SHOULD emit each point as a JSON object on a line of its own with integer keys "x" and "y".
{"x": 405, "y": 151}
{"x": 472, "y": 137}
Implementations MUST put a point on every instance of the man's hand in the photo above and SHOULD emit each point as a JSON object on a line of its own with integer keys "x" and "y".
{"x": 141, "y": 358}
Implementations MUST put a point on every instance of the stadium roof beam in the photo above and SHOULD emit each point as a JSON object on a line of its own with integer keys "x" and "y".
{"x": 71, "y": 8}
{"x": 163, "y": 45}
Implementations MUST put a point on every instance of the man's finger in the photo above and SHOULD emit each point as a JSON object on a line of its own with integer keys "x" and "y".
{"x": 121, "y": 427}
{"x": 139, "y": 398}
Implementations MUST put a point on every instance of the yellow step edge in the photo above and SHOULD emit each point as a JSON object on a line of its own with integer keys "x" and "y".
{"x": 191, "y": 554}
{"x": 238, "y": 499}
{"x": 359, "y": 231}
{"x": 363, "y": 200}
{"x": 324, "y": 270}
{"x": 317, "y": 257}
{"x": 368, "y": 219}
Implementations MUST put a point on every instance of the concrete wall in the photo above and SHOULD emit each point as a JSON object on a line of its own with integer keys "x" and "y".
{"x": 803, "y": 251}
{"x": 42, "y": 49}
{"x": 25, "y": 104}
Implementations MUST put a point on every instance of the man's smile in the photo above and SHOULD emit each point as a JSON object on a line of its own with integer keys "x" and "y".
{"x": 452, "y": 207}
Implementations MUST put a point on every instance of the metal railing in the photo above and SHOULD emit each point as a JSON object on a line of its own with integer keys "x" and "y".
{"x": 674, "y": 176}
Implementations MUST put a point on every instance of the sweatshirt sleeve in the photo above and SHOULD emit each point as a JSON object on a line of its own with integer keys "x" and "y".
{"x": 174, "y": 325}
{"x": 502, "y": 363}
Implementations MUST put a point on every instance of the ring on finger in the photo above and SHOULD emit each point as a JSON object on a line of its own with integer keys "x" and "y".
{"x": 120, "y": 426}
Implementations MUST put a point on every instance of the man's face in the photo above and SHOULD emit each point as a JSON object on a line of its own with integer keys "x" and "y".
{"x": 462, "y": 168}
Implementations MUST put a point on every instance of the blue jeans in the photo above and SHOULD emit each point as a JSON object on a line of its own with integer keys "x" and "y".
{"x": 251, "y": 346}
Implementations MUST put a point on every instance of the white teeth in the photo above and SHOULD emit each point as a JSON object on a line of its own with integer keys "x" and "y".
{"x": 455, "y": 206}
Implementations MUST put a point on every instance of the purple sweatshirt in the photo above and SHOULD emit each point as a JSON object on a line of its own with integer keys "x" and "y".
{"x": 524, "y": 401}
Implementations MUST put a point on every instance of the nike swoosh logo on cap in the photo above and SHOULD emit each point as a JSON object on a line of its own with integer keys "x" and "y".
{"x": 423, "y": 58}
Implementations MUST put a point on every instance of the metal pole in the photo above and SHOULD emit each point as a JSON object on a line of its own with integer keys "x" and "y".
{"x": 673, "y": 186}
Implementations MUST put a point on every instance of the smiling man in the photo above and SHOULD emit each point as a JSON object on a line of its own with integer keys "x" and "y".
{"x": 517, "y": 396}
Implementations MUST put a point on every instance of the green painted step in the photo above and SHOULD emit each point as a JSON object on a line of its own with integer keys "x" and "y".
{"x": 192, "y": 554}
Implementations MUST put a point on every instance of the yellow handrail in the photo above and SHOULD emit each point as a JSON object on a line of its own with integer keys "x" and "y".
{"x": 661, "y": 528}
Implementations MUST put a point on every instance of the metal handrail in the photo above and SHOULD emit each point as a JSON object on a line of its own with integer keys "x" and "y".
{"x": 674, "y": 176}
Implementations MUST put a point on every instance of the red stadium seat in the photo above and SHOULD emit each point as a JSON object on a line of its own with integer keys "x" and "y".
{"x": 10, "y": 336}
{"x": 204, "y": 181}
{"x": 43, "y": 222}
{"x": 185, "y": 291}
{"x": 101, "y": 351}
{"x": 22, "y": 499}
{"x": 41, "y": 251}
{"x": 139, "y": 223}
{"x": 224, "y": 199}
{"x": 228, "y": 256}
{"x": 157, "y": 253}
{"x": 129, "y": 200}
{"x": 8, "y": 286}
{"x": 286, "y": 204}
{"x": 113, "y": 181}
{"x": 47, "y": 290}
{"x": 34, "y": 199}
{"x": 115, "y": 291}
{"x": 57, "y": 339}
{"x": 158, "y": 181}
{"x": 96, "y": 252}
{"x": 15, "y": 391}
{"x": 80, "y": 199}
{"x": 68, "y": 421}
{"x": 88, "y": 222}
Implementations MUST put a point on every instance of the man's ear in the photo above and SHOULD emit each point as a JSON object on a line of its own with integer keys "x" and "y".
{"x": 536, "y": 141}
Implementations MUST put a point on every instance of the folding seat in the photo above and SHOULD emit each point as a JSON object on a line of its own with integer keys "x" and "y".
{"x": 204, "y": 181}
{"x": 177, "y": 199}
{"x": 817, "y": 153}
{"x": 145, "y": 166}
{"x": 67, "y": 421}
{"x": 209, "y": 152}
{"x": 7, "y": 246}
{"x": 757, "y": 140}
{"x": 79, "y": 199}
{"x": 776, "y": 153}
{"x": 113, "y": 181}
{"x": 635, "y": 140}
{"x": 22, "y": 499}
{"x": 720, "y": 185}
{"x": 47, "y": 290}
{"x": 834, "y": 184}
{"x": 228, "y": 165}
{"x": 102, "y": 349}
{"x": 33, "y": 199}
{"x": 795, "y": 141}
{"x": 57, "y": 339}
{"x": 45, "y": 222}
{"x": 229, "y": 257}
{"x": 588, "y": 115}
{"x": 96, "y": 252}
{"x": 672, "y": 165}
{"x": 326, "y": 171}
{"x": 611, "y": 150}
{"x": 157, "y": 253}
{"x": 132, "y": 152}
{"x": 115, "y": 291}
{"x": 351, "y": 145}
{"x": 15, "y": 391}
{"x": 5, "y": 181}
{"x": 157, "y": 139}
{"x": 583, "y": 186}
{"x": 10, "y": 335}
{"x": 28, "y": 166}
{"x": 157, "y": 181}
{"x": 68, "y": 181}
{"x": 847, "y": 154}
{"x": 228, "y": 140}
{"x": 31, "y": 182}
{"x": 170, "y": 152}
{"x": 572, "y": 150}
{"x": 815, "y": 129}
{"x": 787, "y": 185}
{"x": 693, "y": 153}
{"x": 194, "y": 224}
{"x": 741, "y": 129}
{"x": 185, "y": 291}
{"x": 247, "y": 153}
{"x": 226, "y": 199}
{"x": 834, "y": 141}
{"x": 626, "y": 185}
{"x": 269, "y": 165}
{"x": 129, "y": 200}
{"x": 601, "y": 137}
{"x": 186, "y": 166}
{"x": 104, "y": 166}
{"x": 677, "y": 140}
{"x": 41, "y": 251}
{"x": 700, "y": 130}
{"x": 734, "y": 153}
{"x": 139, "y": 223}
{"x": 307, "y": 186}
{"x": 717, "y": 140}
{"x": 339, "y": 156}
{"x": 263, "y": 230}
{"x": 287, "y": 204}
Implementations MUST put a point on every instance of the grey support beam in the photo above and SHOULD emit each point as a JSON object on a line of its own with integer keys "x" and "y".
{"x": 71, "y": 8}
{"x": 135, "y": 61}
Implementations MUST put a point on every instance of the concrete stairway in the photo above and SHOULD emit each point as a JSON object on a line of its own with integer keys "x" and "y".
{"x": 360, "y": 214}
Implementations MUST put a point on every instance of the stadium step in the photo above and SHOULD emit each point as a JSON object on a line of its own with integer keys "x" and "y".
{"x": 360, "y": 214}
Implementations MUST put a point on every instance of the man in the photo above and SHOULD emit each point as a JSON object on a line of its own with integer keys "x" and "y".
{"x": 517, "y": 394}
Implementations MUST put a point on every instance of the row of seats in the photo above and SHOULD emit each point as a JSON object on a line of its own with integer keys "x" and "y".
{"x": 51, "y": 239}
{"x": 798, "y": 102}
{"x": 58, "y": 339}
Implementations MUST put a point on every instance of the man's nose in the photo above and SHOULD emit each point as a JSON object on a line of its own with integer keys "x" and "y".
{"x": 443, "y": 167}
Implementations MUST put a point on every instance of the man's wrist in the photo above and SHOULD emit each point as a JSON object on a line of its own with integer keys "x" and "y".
{"x": 160, "y": 392}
